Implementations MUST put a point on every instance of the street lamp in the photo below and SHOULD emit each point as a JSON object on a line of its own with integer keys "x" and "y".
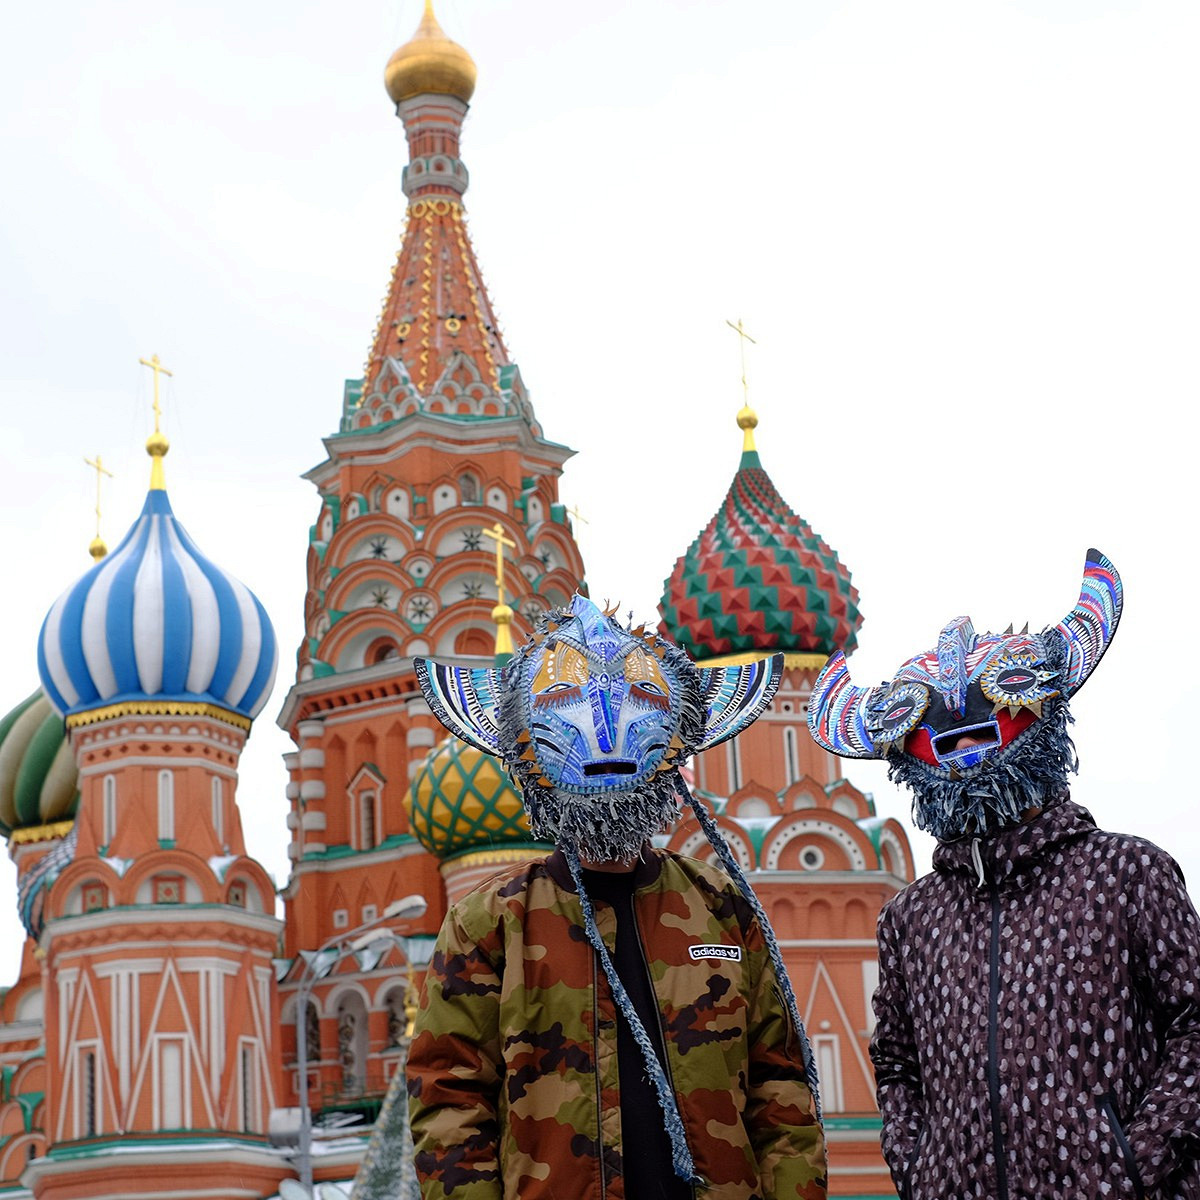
{"x": 343, "y": 944}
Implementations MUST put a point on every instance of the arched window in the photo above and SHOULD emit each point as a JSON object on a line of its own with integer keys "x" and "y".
{"x": 249, "y": 1097}
{"x": 172, "y": 1083}
{"x": 218, "y": 809}
{"x": 827, "y": 1052}
{"x": 88, "y": 1125}
{"x": 352, "y": 1044}
{"x": 166, "y": 806}
{"x": 366, "y": 820}
{"x": 790, "y": 755}
{"x": 109, "y": 809}
{"x": 312, "y": 1034}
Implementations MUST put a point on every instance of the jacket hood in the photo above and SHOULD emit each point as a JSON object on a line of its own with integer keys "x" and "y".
{"x": 1009, "y": 853}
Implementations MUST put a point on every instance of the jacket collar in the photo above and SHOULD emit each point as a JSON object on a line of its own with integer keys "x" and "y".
{"x": 1010, "y": 852}
{"x": 647, "y": 871}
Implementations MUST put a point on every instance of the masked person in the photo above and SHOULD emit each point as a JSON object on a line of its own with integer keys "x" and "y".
{"x": 1038, "y": 1011}
{"x": 613, "y": 1021}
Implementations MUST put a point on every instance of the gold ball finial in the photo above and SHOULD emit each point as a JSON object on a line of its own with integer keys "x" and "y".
{"x": 503, "y": 616}
{"x": 157, "y": 447}
{"x": 97, "y": 549}
{"x": 430, "y": 63}
{"x": 747, "y": 420}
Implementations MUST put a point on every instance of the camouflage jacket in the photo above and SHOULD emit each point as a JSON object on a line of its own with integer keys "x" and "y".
{"x": 512, "y": 1072}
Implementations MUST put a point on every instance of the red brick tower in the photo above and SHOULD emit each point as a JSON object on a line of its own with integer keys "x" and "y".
{"x": 156, "y": 933}
{"x": 438, "y": 462}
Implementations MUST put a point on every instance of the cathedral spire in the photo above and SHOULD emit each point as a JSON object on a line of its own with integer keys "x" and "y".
{"x": 437, "y": 347}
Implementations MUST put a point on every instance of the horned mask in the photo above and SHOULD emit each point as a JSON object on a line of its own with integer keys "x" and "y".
{"x": 976, "y": 726}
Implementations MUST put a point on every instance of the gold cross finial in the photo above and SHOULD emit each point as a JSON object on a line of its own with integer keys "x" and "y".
{"x": 743, "y": 338}
{"x": 578, "y": 515}
{"x": 156, "y": 444}
{"x": 98, "y": 549}
{"x": 501, "y": 614}
{"x": 496, "y": 533}
{"x": 156, "y": 366}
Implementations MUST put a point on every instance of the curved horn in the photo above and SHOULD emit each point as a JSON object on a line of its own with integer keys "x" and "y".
{"x": 836, "y": 712}
{"x": 464, "y": 699}
{"x": 734, "y": 696}
{"x": 1089, "y": 627}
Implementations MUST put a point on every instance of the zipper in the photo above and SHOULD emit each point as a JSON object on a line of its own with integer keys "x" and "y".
{"x": 998, "y": 1150}
{"x": 906, "y": 1183}
{"x": 596, "y": 1064}
{"x": 666, "y": 1058}
{"x": 1135, "y": 1176}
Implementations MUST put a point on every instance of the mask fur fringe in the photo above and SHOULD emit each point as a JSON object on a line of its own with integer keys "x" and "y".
{"x": 1030, "y": 773}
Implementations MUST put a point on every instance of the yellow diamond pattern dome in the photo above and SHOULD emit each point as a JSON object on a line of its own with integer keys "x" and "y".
{"x": 462, "y": 799}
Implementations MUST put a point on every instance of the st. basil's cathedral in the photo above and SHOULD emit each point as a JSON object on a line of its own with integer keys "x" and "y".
{"x": 153, "y": 1042}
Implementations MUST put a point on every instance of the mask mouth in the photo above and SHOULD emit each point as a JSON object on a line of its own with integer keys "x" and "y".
{"x": 944, "y": 744}
{"x": 610, "y": 766}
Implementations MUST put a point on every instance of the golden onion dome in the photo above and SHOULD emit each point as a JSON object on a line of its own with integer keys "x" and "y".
{"x": 430, "y": 63}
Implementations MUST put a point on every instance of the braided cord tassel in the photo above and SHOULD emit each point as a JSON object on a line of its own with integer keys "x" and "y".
{"x": 734, "y": 869}
{"x": 681, "y": 1156}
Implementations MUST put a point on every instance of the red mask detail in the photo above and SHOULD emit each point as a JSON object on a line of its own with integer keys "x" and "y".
{"x": 919, "y": 743}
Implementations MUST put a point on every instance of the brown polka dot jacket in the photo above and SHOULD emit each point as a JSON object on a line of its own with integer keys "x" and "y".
{"x": 1038, "y": 1020}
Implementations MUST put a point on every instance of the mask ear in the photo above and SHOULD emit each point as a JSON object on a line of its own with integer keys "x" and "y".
{"x": 464, "y": 699}
{"x": 734, "y": 697}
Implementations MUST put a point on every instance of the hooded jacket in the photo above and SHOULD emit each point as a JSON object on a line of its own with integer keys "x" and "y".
{"x": 512, "y": 1070}
{"x": 1038, "y": 1020}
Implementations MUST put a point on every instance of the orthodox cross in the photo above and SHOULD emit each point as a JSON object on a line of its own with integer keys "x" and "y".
{"x": 156, "y": 366}
{"x": 578, "y": 515}
{"x": 496, "y": 533}
{"x": 743, "y": 338}
{"x": 98, "y": 466}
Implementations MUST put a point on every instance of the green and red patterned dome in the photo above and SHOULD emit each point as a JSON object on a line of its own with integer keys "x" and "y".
{"x": 757, "y": 580}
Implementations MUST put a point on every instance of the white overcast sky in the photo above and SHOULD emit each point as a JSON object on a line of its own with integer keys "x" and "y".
{"x": 964, "y": 234}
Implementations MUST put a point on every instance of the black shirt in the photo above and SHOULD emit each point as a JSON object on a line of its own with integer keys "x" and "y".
{"x": 646, "y": 1148}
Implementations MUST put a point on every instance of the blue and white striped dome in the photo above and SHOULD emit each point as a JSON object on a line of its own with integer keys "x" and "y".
{"x": 156, "y": 621}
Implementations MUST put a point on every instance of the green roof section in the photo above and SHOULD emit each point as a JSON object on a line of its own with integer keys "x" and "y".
{"x": 39, "y": 781}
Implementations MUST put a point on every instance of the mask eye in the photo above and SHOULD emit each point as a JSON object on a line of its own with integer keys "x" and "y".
{"x": 1017, "y": 680}
{"x": 894, "y": 717}
{"x": 557, "y": 694}
{"x": 650, "y": 694}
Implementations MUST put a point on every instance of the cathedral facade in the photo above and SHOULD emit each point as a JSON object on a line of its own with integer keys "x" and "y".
{"x": 169, "y": 1034}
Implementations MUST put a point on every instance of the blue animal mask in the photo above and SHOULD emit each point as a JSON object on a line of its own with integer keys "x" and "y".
{"x": 593, "y": 721}
{"x": 588, "y": 711}
{"x": 977, "y": 725}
